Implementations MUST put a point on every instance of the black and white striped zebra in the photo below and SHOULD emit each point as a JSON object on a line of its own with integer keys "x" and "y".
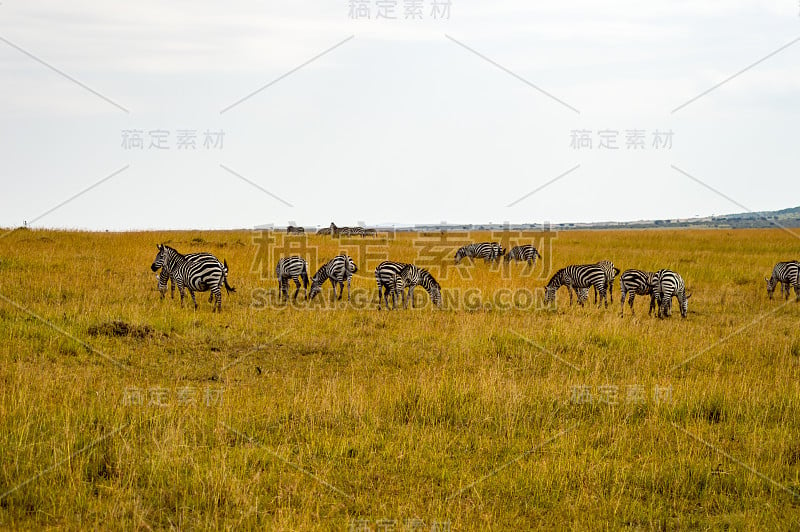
{"x": 295, "y": 230}
{"x": 339, "y": 269}
{"x": 324, "y": 231}
{"x": 634, "y": 283}
{"x": 611, "y": 273}
{"x": 412, "y": 276}
{"x": 164, "y": 276}
{"x": 577, "y": 277}
{"x": 525, "y": 253}
{"x": 488, "y": 251}
{"x": 199, "y": 275}
{"x": 666, "y": 285}
{"x": 294, "y": 268}
{"x": 387, "y": 277}
{"x": 787, "y": 274}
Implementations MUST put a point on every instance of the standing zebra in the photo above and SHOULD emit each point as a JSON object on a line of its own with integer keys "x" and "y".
{"x": 164, "y": 276}
{"x": 388, "y": 280}
{"x": 788, "y": 275}
{"x": 523, "y": 253}
{"x": 611, "y": 272}
{"x": 199, "y": 275}
{"x": 488, "y": 251}
{"x": 411, "y": 276}
{"x": 324, "y": 231}
{"x": 636, "y": 283}
{"x": 577, "y": 277}
{"x": 339, "y": 269}
{"x": 370, "y": 232}
{"x": 294, "y": 268}
{"x": 295, "y": 230}
{"x": 666, "y": 285}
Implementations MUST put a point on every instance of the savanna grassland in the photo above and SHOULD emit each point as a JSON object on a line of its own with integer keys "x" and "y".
{"x": 120, "y": 410}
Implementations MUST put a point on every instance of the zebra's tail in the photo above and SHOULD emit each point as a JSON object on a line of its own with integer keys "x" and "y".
{"x": 304, "y": 277}
{"x": 228, "y": 288}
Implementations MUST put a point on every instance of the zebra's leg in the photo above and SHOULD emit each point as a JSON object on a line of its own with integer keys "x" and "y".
{"x": 193, "y": 298}
{"x": 611, "y": 289}
{"x": 595, "y": 294}
{"x": 297, "y": 289}
{"x": 217, "y": 293}
{"x": 171, "y": 289}
{"x": 622, "y": 309}
{"x": 348, "y": 288}
{"x": 630, "y": 302}
{"x": 786, "y": 290}
{"x": 411, "y": 294}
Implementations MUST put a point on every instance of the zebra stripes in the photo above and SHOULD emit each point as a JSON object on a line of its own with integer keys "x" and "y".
{"x": 293, "y": 268}
{"x": 198, "y": 275}
{"x": 666, "y": 285}
{"x": 488, "y": 251}
{"x": 387, "y": 276}
{"x": 351, "y": 231}
{"x": 634, "y": 283}
{"x": 412, "y": 275}
{"x": 339, "y": 269}
{"x": 611, "y": 272}
{"x": 787, "y": 274}
{"x": 295, "y": 230}
{"x": 164, "y": 276}
{"x": 577, "y": 277}
{"x": 526, "y": 253}
{"x": 324, "y": 231}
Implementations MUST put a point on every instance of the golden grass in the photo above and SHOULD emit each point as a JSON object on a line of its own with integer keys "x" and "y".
{"x": 338, "y": 416}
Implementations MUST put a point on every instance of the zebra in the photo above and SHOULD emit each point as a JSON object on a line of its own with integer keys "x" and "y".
{"x": 347, "y": 231}
{"x": 324, "y": 231}
{"x": 636, "y": 283}
{"x": 389, "y": 282}
{"x": 611, "y": 273}
{"x": 788, "y": 275}
{"x": 199, "y": 275}
{"x": 295, "y": 230}
{"x": 339, "y": 269}
{"x": 164, "y": 276}
{"x": 294, "y": 268}
{"x": 526, "y": 253}
{"x": 411, "y": 276}
{"x": 666, "y": 285}
{"x": 488, "y": 251}
{"x": 370, "y": 232}
{"x": 577, "y": 277}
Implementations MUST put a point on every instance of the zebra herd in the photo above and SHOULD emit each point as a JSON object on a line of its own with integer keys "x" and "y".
{"x": 201, "y": 272}
{"x": 335, "y": 231}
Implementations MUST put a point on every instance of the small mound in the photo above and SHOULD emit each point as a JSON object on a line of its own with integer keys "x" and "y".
{"x": 120, "y": 328}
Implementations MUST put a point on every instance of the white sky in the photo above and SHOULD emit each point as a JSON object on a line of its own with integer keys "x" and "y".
{"x": 400, "y": 123}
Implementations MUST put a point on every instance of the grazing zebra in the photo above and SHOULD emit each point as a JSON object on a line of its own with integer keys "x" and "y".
{"x": 577, "y": 277}
{"x": 411, "y": 276}
{"x": 339, "y": 269}
{"x": 347, "y": 231}
{"x": 293, "y": 268}
{"x": 636, "y": 283}
{"x": 388, "y": 280}
{"x": 324, "y": 231}
{"x": 611, "y": 272}
{"x": 523, "y": 253}
{"x": 370, "y": 232}
{"x": 666, "y": 285}
{"x": 164, "y": 276}
{"x": 488, "y": 251}
{"x": 788, "y": 275}
{"x": 295, "y": 230}
{"x": 199, "y": 275}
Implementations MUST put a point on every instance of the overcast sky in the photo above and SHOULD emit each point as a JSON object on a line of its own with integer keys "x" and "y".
{"x": 298, "y": 111}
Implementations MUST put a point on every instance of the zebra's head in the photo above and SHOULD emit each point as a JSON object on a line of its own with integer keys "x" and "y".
{"x": 316, "y": 288}
{"x": 685, "y": 305}
{"x": 772, "y": 282}
{"x": 160, "y": 259}
{"x": 351, "y": 265}
{"x": 433, "y": 287}
{"x": 553, "y": 285}
{"x": 460, "y": 254}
